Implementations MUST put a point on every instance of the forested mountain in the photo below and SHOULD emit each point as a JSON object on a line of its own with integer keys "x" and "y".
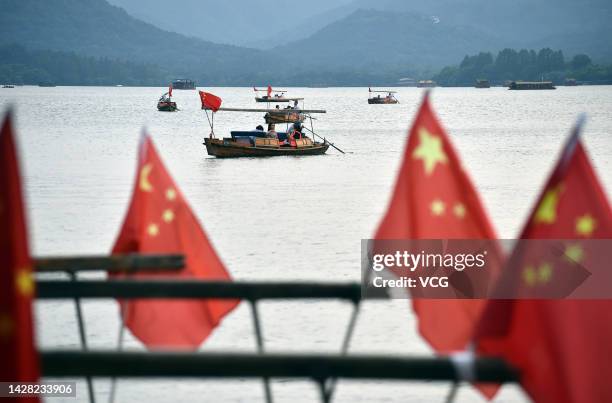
{"x": 363, "y": 42}
{"x": 374, "y": 40}
{"x": 238, "y": 22}
{"x": 95, "y": 28}
{"x": 575, "y": 26}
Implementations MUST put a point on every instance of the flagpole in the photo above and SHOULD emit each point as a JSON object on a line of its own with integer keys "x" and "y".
{"x": 212, "y": 131}
{"x": 83, "y": 338}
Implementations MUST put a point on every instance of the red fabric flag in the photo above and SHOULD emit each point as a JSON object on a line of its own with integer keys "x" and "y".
{"x": 159, "y": 220}
{"x": 434, "y": 199}
{"x": 170, "y": 90}
{"x": 561, "y": 347}
{"x": 19, "y": 360}
{"x": 210, "y": 101}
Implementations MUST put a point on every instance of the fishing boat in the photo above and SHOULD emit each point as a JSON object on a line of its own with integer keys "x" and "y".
{"x": 379, "y": 100}
{"x": 8, "y": 86}
{"x": 427, "y": 84}
{"x": 165, "y": 103}
{"x": 183, "y": 84}
{"x": 292, "y": 141}
{"x": 571, "y": 82}
{"x": 273, "y": 96}
{"x": 482, "y": 83}
{"x": 532, "y": 85}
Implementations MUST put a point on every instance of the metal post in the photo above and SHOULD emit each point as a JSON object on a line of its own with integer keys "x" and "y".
{"x": 325, "y": 397}
{"x": 329, "y": 390}
{"x": 260, "y": 346}
{"x": 83, "y": 338}
{"x": 113, "y": 387}
{"x": 452, "y": 393}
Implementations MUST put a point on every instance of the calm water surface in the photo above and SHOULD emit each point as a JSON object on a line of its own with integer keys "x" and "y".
{"x": 283, "y": 218}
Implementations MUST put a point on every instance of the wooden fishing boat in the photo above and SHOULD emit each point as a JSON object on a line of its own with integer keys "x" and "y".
{"x": 262, "y": 147}
{"x": 293, "y": 141}
{"x": 165, "y": 104}
{"x": 380, "y": 100}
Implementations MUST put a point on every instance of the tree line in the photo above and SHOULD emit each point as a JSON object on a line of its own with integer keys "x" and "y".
{"x": 526, "y": 65}
{"x": 32, "y": 67}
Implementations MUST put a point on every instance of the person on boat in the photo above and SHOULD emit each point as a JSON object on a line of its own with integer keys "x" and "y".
{"x": 295, "y": 104}
{"x": 272, "y": 132}
{"x": 295, "y": 133}
{"x": 259, "y": 128}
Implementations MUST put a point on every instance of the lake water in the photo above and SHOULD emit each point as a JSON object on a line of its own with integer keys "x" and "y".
{"x": 282, "y": 218}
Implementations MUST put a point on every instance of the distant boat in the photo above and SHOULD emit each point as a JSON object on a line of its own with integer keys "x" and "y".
{"x": 426, "y": 84}
{"x": 571, "y": 82}
{"x": 406, "y": 82}
{"x": 183, "y": 84}
{"x": 482, "y": 83}
{"x": 378, "y": 100}
{"x": 8, "y": 86}
{"x": 531, "y": 85}
{"x": 165, "y": 103}
{"x": 273, "y": 96}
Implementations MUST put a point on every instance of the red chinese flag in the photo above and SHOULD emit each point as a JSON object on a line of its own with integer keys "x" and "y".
{"x": 562, "y": 348}
{"x": 159, "y": 220}
{"x": 269, "y": 91}
{"x": 434, "y": 199}
{"x": 170, "y": 90}
{"x": 210, "y": 101}
{"x": 18, "y": 356}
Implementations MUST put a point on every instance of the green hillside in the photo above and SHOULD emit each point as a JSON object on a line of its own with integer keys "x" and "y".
{"x": 95, "y": 28}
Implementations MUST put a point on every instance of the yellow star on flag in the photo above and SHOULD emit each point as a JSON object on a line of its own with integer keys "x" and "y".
{"x": 545, "y": 273}
{"x": 585, "y": 225}
{"x": 6, "y": 326}
{"x": 547, "y": 210}
{"x": 529, "y": 276}
{"x": 574, "y": 253}
{"x": 170, "y": 194}
{"x": 459, "y": 210}
{"x": 168, "y": 216}
{"x": 437, "y": 207}
{"x": 144, "y": 183}
{"x": 430, "y": 151}
{"x": 24, "y": 282}
{"x": 153, "y": 230}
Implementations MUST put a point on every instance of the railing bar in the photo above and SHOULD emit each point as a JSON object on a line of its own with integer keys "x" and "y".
{"x": 113, "y": 263}
{"x": 240, "y": 365}
{"x": 185, "y": 289}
